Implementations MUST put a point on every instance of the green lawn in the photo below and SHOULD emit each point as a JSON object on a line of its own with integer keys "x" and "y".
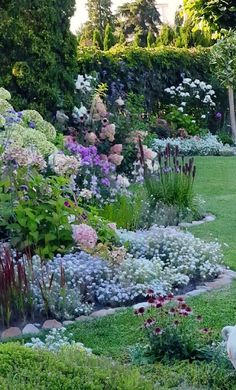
{"x": 113, "y": 336}
{"x": 216, "y": 182}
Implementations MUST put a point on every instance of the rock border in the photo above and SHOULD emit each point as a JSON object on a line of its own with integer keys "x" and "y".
{"x": 224, "y": 280}
{"x": 206, "y": 219}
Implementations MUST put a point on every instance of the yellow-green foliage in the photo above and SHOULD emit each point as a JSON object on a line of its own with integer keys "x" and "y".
{"x": 22, "y": 368}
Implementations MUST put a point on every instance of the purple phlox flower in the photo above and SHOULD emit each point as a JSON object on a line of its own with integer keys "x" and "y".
{"x": 218, "y": 115}
{"x": 106, "y": 182}
{"x": 32, "y": 125}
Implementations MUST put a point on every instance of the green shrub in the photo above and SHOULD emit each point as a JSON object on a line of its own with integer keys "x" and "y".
{"x": 38, "y": 53}
{"x": 22, "y": 368}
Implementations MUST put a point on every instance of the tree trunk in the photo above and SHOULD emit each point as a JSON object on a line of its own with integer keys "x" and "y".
{"x": 232, "y": 112}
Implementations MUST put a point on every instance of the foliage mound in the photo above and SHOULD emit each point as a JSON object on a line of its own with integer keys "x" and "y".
{"x": 23, "y": 368}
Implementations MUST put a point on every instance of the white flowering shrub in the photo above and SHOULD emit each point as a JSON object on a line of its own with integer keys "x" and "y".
{"x": 208, "y": 145}
{"x": 56, "y": 340}
{"x": 178, "y": 252}
{"x": 193, "y": 97}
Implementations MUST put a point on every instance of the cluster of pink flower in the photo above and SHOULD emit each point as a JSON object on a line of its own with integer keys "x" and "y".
{"x": 115, "y": 156}
{"x": 85, "y": 236}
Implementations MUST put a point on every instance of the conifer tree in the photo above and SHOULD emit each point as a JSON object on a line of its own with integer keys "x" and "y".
{"x": 109, "y": 39}
{"x": 97, "y": 39}
{"x": 99, "y": 15}
{"x": 38, "y": 53}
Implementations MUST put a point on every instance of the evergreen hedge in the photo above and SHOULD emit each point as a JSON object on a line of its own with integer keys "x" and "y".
{"x": 148, "y": 71}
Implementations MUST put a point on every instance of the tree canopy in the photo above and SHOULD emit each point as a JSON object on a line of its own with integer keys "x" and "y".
{"x": 139, "y": 16}
{"x": 99, "y": 16}
{"x": 220, "y": 14}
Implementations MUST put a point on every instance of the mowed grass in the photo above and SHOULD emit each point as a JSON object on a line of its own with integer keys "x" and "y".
{"x": 113, "y": 336}
{"x": 216, "y": 182}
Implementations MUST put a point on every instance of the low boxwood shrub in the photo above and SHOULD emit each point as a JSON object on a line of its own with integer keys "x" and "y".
{"x": 23, "y": 368}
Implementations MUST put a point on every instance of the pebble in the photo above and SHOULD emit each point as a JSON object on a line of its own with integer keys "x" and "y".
{"x": 50, "y": 324}
{"x": 30, "y": 329}
{"x": 103, "y": 313}
{"x": 11, "y": 332}
{"x": 65, "y": 323}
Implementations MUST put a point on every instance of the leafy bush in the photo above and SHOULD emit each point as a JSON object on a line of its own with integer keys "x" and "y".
{"x": 148, "y": 72}
{"x": 208, "y": 145}
{"x": 180, "y": 122}
{"x": 172, "y": 329}
{"x": 21, "y": 367}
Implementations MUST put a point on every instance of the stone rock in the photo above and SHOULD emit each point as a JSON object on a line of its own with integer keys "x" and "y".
{"x": 84, "y": 318}
{"x": 194, "y": 293}
{"x": 30, "y": 329}
{"x": 185, "y": 224}
{"x": 102, "y": 313}
{"x": 11, "y": 332}
{"x": 37, "y": 325}
{"x": 142, "y": 304}
{"x": 209, "y": 218}
{"x": 196, "y": 223}
{"x": 50, "y": 324}
{"x": 65, "y": 323}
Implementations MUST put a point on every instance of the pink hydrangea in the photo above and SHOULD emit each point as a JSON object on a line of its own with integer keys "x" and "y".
{"x": 108, "y": 132}
{"x": 91, "y": 138}
{"x": 85, "y": 236}
{"x": 117, "y": 149}
{"x": 149, "y": 154}
{"x": 115, "y": 159}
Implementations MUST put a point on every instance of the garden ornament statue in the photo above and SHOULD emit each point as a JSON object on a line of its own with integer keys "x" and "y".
{"x": 229, "y": 335}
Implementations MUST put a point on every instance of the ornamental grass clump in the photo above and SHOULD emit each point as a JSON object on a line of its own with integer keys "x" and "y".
{"x": 172, "y": 329}
{"x": 173, "y": 185}
{"x": 15, "y": 296}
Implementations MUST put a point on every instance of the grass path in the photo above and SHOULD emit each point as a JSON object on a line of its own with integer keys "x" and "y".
{"x": 216, "y": 182}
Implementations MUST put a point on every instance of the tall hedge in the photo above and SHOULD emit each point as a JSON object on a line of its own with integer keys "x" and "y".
{"x": 38, "y": 53}
{"x": 148, "y": 71}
